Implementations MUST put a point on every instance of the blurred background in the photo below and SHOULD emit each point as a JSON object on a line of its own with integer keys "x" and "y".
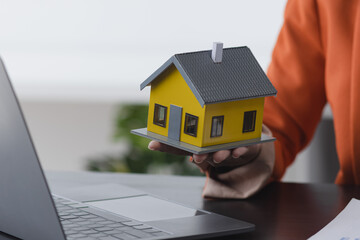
{"x": 77, "y": 67}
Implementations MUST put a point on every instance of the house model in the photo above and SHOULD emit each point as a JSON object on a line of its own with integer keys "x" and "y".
{"x": 208, "y": 101}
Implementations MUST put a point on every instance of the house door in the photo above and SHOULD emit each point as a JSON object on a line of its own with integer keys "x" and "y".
{"x": 174, "y": 122}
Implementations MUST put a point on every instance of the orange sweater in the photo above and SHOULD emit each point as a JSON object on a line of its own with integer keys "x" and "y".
{"x": 317, "y": 60}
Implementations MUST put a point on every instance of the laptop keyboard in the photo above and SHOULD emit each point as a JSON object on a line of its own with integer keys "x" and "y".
{"x": 80, "y": 221}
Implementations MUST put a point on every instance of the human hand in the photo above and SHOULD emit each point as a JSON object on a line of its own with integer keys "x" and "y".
{"x": 227, "y": 159}
{"x": 248, "y": 169}
{"x": 219, "y": 160}
{"x": 242, "y": 181}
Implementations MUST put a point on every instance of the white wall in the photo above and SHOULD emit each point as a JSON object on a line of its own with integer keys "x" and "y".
{"x": 68, "y": 134}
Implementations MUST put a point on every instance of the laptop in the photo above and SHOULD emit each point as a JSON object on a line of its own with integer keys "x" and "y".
{"x": 28, "y": 210}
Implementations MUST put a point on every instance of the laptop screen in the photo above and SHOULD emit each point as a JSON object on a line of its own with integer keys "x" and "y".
{"x": 26, "y": 205}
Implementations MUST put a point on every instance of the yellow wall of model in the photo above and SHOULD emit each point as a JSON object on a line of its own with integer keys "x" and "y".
{"x": 233, "y": 113}
{"x": 171, "y": 88}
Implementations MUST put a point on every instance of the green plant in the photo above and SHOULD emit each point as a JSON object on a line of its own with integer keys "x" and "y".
{"x": 138, "y": 158}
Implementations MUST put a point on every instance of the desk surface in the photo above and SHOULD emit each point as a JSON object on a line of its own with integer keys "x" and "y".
{"x": 280, "y": 211}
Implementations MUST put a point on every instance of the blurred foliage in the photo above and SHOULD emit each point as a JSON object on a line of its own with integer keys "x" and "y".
{"x": 138, "y": 158}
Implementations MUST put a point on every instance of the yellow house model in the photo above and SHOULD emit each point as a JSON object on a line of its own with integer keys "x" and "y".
{"x": 207, "y": 101}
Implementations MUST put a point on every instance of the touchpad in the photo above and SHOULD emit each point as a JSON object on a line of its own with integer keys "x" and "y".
{"x": 145, "y": 208}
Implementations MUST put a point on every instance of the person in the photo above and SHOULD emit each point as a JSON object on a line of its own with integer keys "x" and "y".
{"x": 315, "y": 61}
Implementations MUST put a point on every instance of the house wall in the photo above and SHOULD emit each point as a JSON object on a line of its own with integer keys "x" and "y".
{"x": 233, "y": 113}
{"x": 171, "y": 88}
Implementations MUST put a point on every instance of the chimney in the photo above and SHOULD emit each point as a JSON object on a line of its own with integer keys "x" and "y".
{"x": 217, "y": 52}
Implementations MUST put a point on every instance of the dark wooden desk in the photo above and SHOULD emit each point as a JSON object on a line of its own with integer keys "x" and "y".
{"x": 280, "y": 211}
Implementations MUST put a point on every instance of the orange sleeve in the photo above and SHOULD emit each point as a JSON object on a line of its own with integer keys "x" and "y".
{"x": 297, "y": 72}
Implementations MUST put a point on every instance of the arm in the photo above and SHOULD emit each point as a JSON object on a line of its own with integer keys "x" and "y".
{"x": 297, "y": 72}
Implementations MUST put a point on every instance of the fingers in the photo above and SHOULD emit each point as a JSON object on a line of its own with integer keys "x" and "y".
{"x": 157, "y": 146}
{"x": 214, "y": 159}
{"x": 203, "y": 166}
{"x": 199, "y": 158}
{"x": 221, "y": 155}
{"x": 201, "y": 161}
{"x": 236, "y": 157}
{"x": 252, "y": 151}
{"x": 237, "y": 152}
{"x": 223, "y": 158}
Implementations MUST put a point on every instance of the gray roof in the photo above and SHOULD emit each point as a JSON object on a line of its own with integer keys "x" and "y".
{"x": 239, "y": 75}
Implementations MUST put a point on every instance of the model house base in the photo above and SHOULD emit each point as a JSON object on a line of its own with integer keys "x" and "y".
{"x": 143, "y": 132}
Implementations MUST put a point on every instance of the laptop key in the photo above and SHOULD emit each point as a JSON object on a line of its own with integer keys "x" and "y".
{"x": 115, "y": 225}
{"x": 160, "y": 234}
{"x": 63, "y": 214}
{"x": 71, "y": 226}
{"x": 138, "y": 233}
{"x": 106, "y": 222}
{"x": 79, "y": 235}
{"x": 89, "y": 216}
{"x": 79, "y": 205}
{"x": 109, "y": 238}
{"x": 96, "y": 219}
{"x": 94, "y": 225}
{"x": 68, "y": 217}
{"x": 151, "y": 230}
{"x": 125, "y": 236}
{"x": 90, "y": 231}
{"x": 80, "y": 213}
{"x": 64, "y": 209}
{"x": 65, "y": 222}
{"x": 77, "y": 219}
{"x": 140, "y": 227}
{"x": 70, "y": 211}
{"x": 106, "y": 215}
{"x": 123, "y": 228}
{"x": 69, "y": 232}
{"x": 81, "y": 229}
{"x": 98, "y": 235}
{"x": 131, "y": 223}
{"x": 113, "y": 232}
{"x": 103, "y": 229}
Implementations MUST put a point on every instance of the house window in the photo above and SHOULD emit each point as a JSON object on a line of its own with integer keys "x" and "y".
{"x": 191, "y": 123}
{"x": 160, "y": 115}
{"x": 249, "y": 121}
{"x": 217, "y": 126}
